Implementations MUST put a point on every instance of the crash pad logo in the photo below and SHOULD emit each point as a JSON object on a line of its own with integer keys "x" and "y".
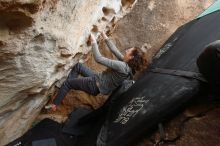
{"x": 131, "y": 109}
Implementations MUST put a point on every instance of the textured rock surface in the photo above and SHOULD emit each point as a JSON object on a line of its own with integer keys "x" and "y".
{"x": 149, "y": 24}
{"x": 39, "y": 41}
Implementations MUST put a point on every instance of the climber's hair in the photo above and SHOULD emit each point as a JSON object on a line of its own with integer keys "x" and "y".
{"x": 138, "y": 61}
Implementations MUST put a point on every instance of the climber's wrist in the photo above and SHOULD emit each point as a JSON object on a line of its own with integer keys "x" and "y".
{"x": 93, "y": 42}
{"x": 105, "y": 37}
{"x": 92, "y": 39}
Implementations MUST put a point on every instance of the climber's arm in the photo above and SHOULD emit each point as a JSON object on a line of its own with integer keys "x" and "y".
{"x": 120, "y": 66}
{"x": 112, "y": 47}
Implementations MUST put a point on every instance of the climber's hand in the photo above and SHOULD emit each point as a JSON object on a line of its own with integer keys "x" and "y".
{"x": 92, "y": 38}
{"x": 104, "y": 35}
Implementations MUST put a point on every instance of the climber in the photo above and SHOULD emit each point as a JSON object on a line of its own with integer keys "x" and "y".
{"x": 117, "y": 71}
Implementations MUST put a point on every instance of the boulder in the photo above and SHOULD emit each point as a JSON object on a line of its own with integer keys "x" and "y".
{"x": 39, "y": 42}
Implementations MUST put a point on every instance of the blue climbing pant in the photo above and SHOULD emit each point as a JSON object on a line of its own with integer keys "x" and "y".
{"x": 86, "y": 83}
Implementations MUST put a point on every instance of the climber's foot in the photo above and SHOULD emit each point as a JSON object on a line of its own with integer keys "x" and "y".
{"x": 53, "y": 107}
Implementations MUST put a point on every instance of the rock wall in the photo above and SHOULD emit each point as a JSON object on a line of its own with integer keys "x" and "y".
{"x": 39, "y": 41}
{"x": 143, "y": 26}
{"x": 149, "y": 25}
{"x": 151, "y": 22}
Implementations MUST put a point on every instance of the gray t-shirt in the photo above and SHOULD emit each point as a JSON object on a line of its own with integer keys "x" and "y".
{"x": 117, "y": 71}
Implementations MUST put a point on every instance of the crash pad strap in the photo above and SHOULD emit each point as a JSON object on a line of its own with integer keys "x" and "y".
{"x": 187, "y": 74}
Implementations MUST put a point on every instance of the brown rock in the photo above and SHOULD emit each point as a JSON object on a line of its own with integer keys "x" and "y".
{"x": 31, "y": 32}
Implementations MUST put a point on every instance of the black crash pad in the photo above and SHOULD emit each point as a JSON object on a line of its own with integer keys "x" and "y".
{"x": 72, "y": 125}
{"x": 45, "y": 132}
{"x": 155, "y": 96}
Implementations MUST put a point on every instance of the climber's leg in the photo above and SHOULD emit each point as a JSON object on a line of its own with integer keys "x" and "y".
{"x": 80, "y": 68}
{"x": 86, "y": 84}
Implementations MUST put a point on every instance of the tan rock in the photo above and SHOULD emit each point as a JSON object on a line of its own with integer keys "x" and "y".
{"x": 31, "y": 34}
{"x": 151, "y": 22}
{"x": 32, "y": 31}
